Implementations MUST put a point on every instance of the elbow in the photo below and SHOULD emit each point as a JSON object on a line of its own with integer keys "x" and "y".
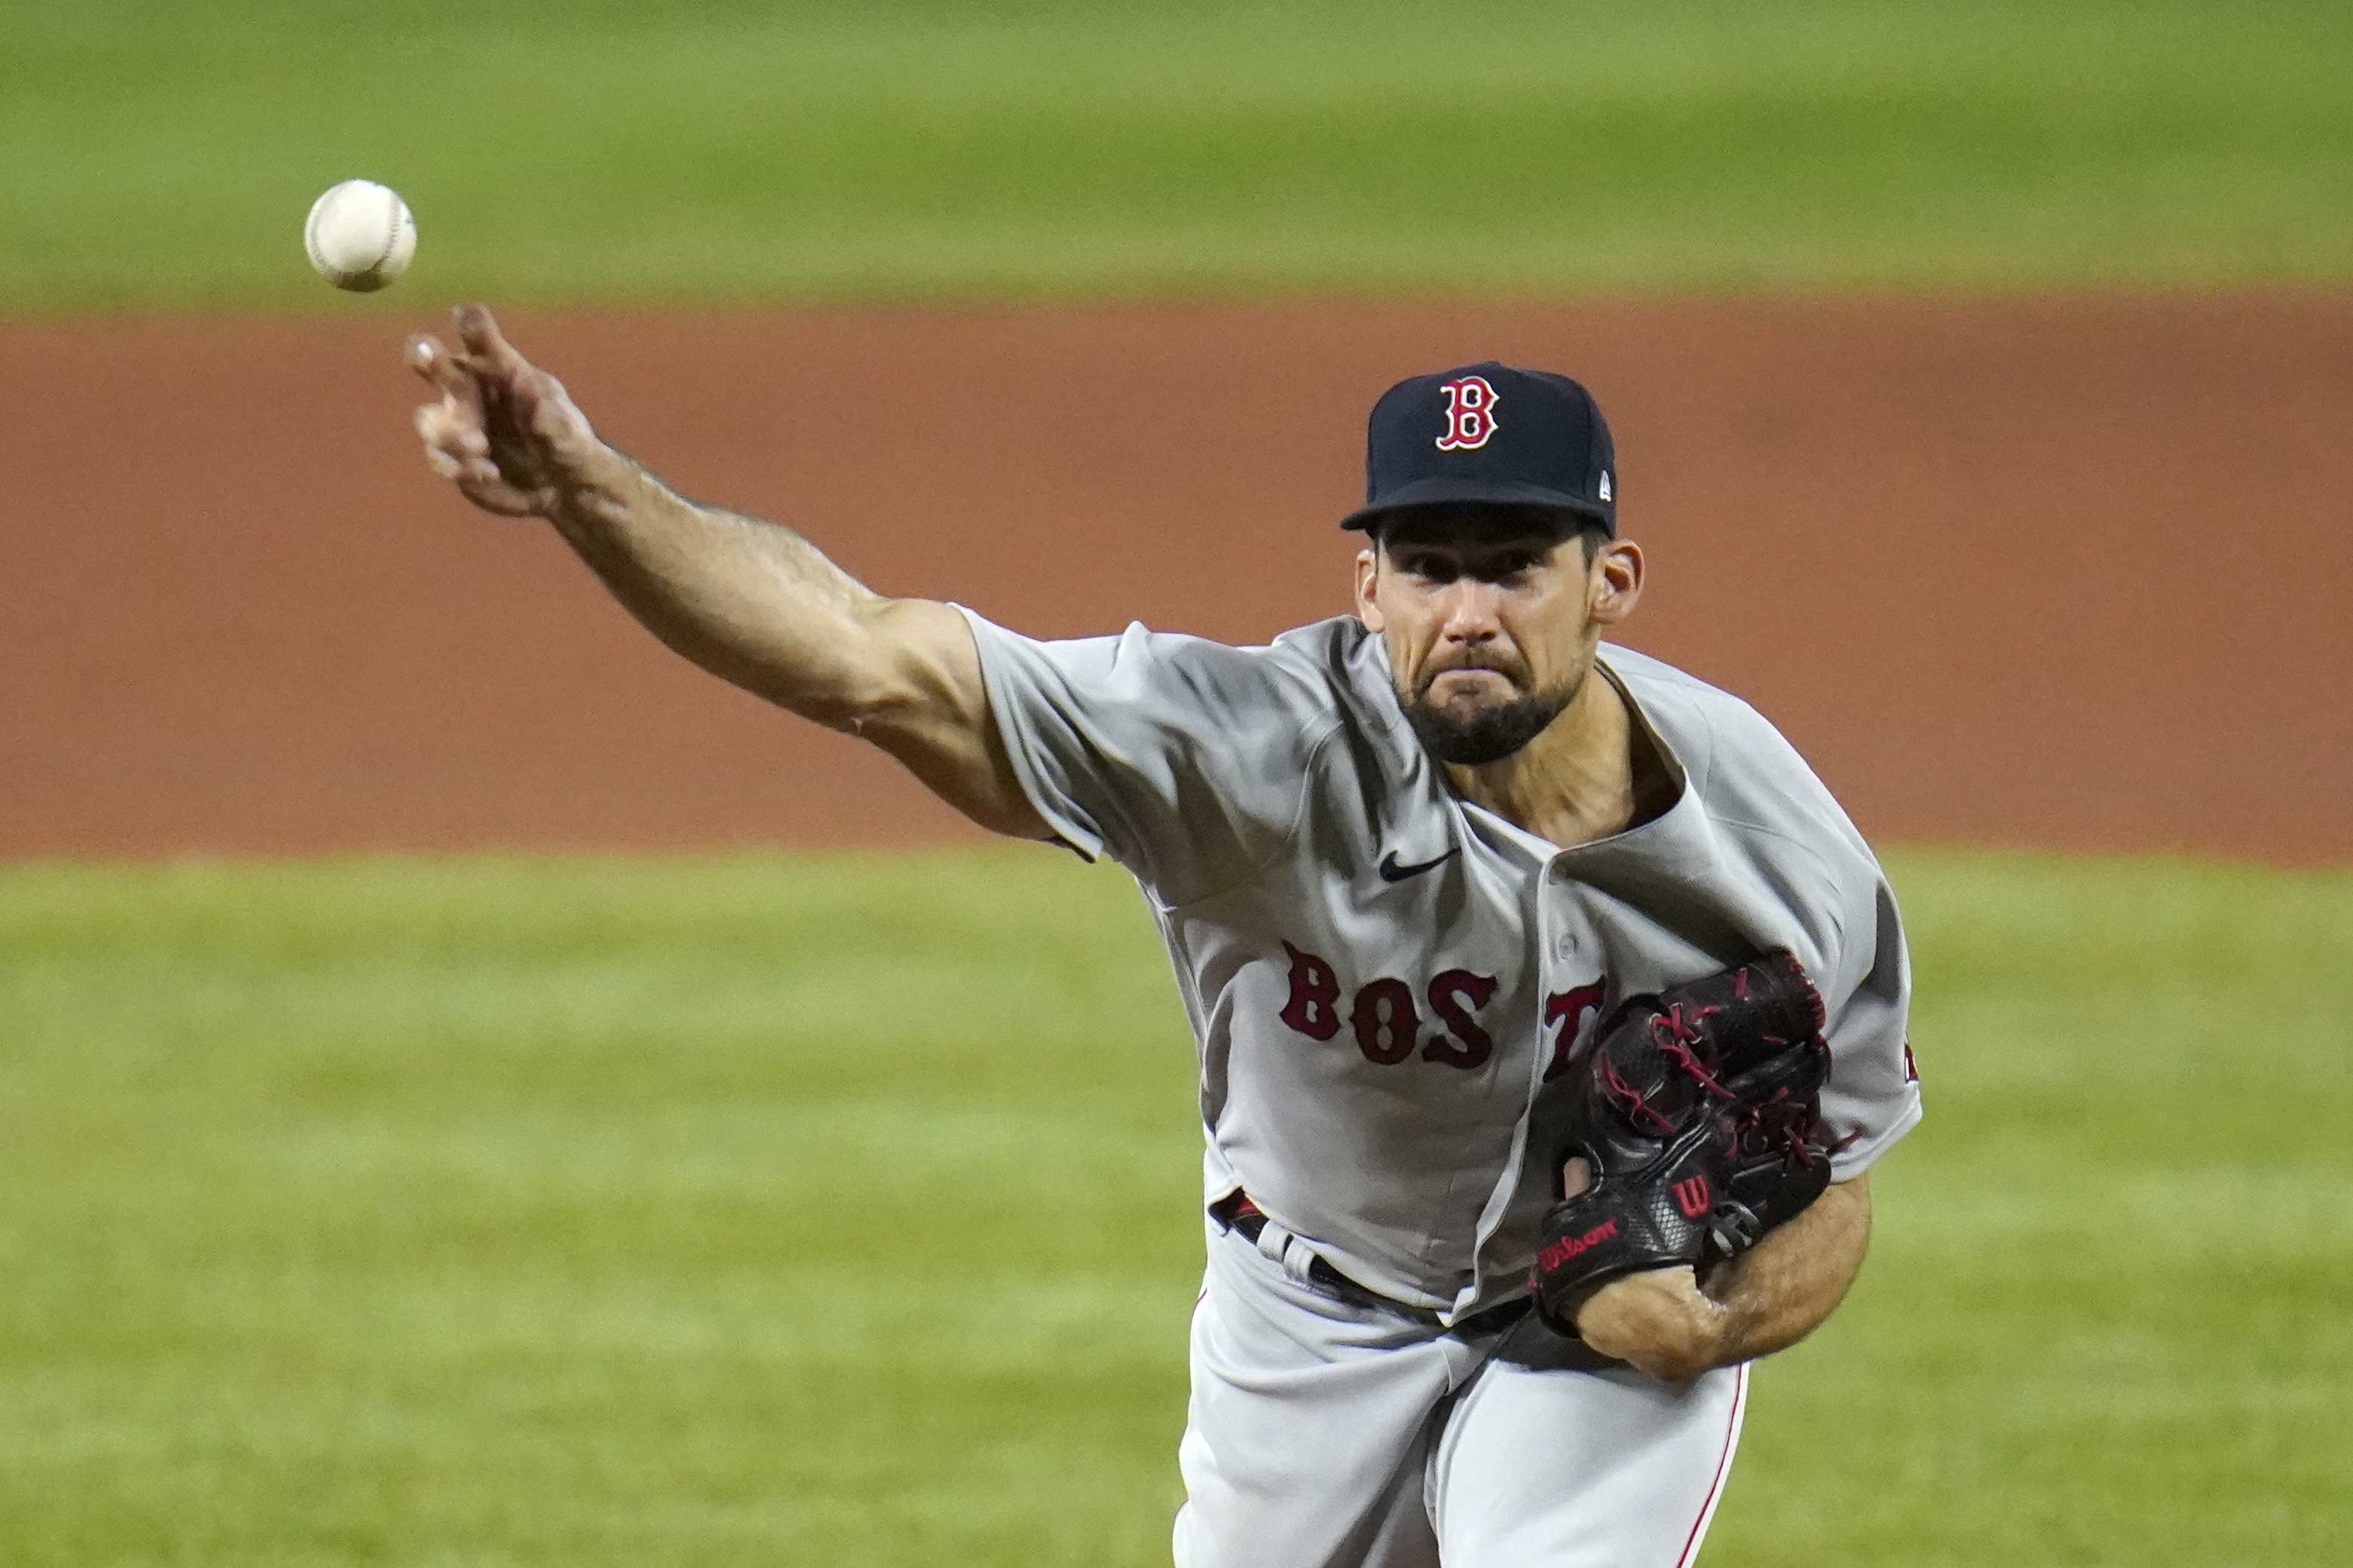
{"x": 895, "y": 690}
{"x": 856, "y": 707}
{"x": 845, "y": 699}
{"x": 881, "y": 683}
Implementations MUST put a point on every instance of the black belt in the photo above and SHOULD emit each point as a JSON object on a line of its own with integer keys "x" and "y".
{"x": 1236, "y": 1212}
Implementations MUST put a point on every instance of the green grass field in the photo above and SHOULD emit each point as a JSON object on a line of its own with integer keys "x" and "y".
{"x": 160, "y": 154}
{"x": 839, "y": 1210}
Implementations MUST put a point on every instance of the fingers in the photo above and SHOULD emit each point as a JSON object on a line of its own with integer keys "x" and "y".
{"x": 452, "y": 428}
{"x": 479, "y": 331}
{"x": 504, "y": 430}
{"x": 483, "y": 365}
{"x": 447, "y": 430}
{"x": 457, "y": 448}
{"x": 506, "y": 383}
{"x": 444, "y": 371}
{"x": 459, "y": 452}
{"x": 1576, "y": 1175}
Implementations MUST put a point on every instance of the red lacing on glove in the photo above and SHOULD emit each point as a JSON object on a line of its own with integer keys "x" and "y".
{"x": 1675, "y": 1035}
{"x": 1631, "y": 1100}
{"x": 1793, "y": 1132}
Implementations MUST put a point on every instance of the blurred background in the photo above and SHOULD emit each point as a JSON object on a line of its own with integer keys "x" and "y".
{"x": 475, "y": 1090}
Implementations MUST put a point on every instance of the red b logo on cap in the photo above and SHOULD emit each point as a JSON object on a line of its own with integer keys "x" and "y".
{"x": 1470, "y": 414}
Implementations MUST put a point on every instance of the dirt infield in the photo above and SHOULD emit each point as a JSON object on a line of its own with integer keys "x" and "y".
{"x": 2069, "y": 574}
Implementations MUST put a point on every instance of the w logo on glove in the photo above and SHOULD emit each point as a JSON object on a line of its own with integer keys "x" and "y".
{"x": 1470, "y": 414}
{"x": 1693, "y": 1198}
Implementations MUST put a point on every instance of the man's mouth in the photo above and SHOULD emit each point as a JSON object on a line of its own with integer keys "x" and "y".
{"x": 1505, "y": 676}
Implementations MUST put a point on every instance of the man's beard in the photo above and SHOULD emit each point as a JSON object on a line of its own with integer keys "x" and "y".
{"x": 1488, "y": 733}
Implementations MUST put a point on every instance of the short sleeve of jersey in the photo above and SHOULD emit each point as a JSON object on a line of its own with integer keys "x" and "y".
{"x": 1872, "y": 1097}
{"x": 1800, "y": 854}
{"x": 1182, "y": 758}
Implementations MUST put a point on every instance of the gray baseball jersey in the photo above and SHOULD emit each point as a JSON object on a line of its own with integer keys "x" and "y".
{"x": 1383, "y": 977}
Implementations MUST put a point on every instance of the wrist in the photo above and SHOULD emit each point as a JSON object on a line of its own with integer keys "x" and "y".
{"x": 1718, "y": 1334}
{"x": 1704, "y": 1337}
{"x": 1658, "y": 1321}
{"x": 599, "y": 488}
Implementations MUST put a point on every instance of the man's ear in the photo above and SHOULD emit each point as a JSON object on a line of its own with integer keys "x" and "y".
{"x": 1368, "y": 577}
{"x": 1615, "y": 583}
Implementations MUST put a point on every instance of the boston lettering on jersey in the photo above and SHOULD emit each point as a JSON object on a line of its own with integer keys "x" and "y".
{"x": 1371, "y": 1081}
{"x": 1387, "y": 1024}
{"x": 1568, "y": 1009}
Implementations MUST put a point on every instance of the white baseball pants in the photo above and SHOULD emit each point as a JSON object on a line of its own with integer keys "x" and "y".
{"x": 1328, "y": 1434}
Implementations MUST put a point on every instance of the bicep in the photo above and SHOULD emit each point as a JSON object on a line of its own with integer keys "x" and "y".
{"x": 929, "y": 709}
{"x": 1821, "y": 1249}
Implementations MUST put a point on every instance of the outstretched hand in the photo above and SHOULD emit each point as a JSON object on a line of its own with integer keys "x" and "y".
{"x": 503, "y": 431}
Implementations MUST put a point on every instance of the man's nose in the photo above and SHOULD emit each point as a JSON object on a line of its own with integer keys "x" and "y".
{"x": 1470, "y": 611}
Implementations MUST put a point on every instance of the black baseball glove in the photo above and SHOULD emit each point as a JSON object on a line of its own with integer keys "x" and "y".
{"x": 1695, "y": 1113}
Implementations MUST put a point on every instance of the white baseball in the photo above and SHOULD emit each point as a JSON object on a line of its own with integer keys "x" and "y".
{"x": 360, "y": 235}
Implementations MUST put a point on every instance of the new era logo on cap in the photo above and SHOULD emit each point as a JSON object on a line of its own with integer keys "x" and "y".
{"x": 1488, "y": 434}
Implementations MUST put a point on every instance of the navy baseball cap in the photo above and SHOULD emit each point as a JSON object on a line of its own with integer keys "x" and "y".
{"x": 1489, "y": 435}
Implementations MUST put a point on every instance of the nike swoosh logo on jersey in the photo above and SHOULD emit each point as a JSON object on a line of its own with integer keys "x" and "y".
{"x": 1393, "y": 872}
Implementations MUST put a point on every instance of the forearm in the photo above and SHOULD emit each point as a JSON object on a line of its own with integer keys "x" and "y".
{"x": 750, "y": 601}
{"x": 1788, "y": 1284}
{"x": 1769, "y": 1299}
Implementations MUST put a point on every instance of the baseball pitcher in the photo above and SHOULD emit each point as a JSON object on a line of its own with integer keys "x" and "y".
{"x": 1550, "y": 1011}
